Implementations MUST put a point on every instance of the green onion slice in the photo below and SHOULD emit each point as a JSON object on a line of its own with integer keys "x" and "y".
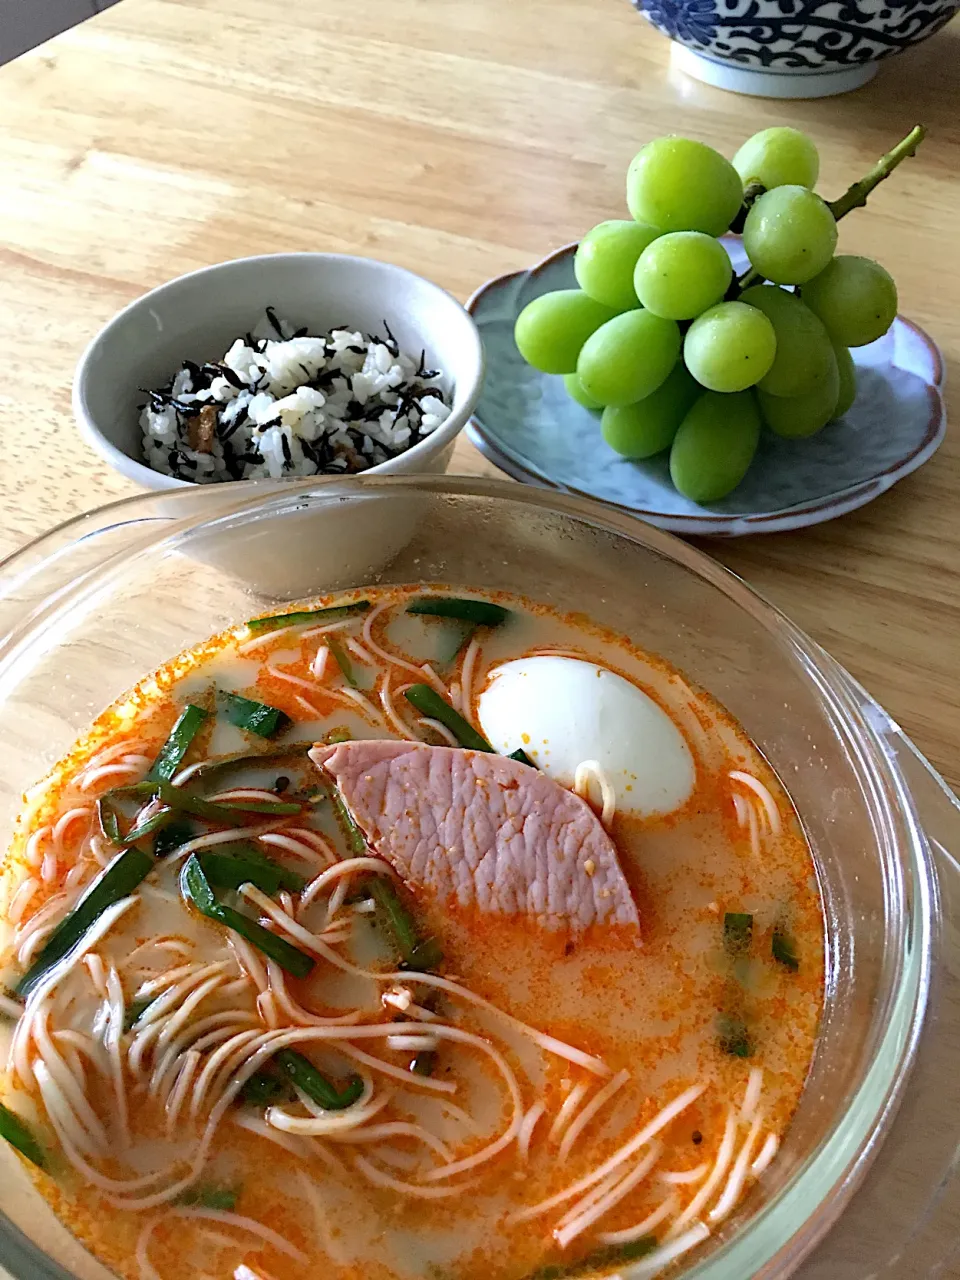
{"x": 429, "y": 703}
{"x": 521, "y": 757}
{"x": 108, "y": 820}
{"x": 316, "y": 1085}
{"x": 254, "y": 717}
{"x": 263, "y": 1087}
{"x": 222, "y": 811}
{"x": 211, "y": 1196}
{"x": 172, "y": 835}
{"x": 172, "y": 753}
{"x": 304, "y": 616}
{"x": 737, "y": 933}
{"x": 135, "y": 1010}
{"x": 354, "y": 836}
{"x": 418, "y": 953}
{"x": 784, "y": 949}
{"x": 480, "y": 612}
{"x": 733, "y": 1035}
{"x": 342, "y": 661}
{"x": 18, "y": 1134}
{"x": 120, "y": 878}
{"x": 598, "y": 1261}
{"x": 226, "y": 872}
{"x": 196, "y": 889}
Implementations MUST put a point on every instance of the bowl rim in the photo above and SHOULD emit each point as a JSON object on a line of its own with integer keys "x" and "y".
{"x": 779, "y": 1234}
{"x": 135, "y": 469}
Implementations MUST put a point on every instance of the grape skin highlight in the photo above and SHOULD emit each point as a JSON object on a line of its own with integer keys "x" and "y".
{"x": 730, "y": 347}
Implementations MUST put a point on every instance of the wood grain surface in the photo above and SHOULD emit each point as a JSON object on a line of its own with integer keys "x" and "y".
{"x": 461, "y": 138}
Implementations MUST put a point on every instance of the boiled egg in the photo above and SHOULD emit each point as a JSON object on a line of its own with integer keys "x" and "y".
{"x": 565, "y": 711}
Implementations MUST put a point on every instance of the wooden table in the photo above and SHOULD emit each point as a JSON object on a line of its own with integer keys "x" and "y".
{"x": 461, "y": 138}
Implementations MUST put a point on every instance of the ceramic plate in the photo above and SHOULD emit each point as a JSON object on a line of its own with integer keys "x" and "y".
{"x": 527, "y": 425}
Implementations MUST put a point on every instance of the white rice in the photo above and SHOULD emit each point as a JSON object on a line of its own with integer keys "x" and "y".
{"x": 287, "y": 403}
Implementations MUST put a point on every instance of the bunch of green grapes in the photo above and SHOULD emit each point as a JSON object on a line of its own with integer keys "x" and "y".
{"x": 681, "y": 355}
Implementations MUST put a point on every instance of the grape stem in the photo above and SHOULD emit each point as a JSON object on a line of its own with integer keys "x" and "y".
{"x": 855, "y": 197}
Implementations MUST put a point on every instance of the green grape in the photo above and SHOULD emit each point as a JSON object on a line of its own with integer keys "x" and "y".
{"x": 798, "y": 416}
{"x": 789, "y": 235}
{"x": 681, "y": 274}
{"x": 715, "y": 445}
{"x": 576, "y": 392}
{"x": 647, "y": 427}
{"x": 778, "y": 157}
{"x": 730, "y": 347}
{"x": 804, "y": 352}
{"x": 606, "y": 257}
{"x": 855, "y": 298}
{"x": 551, "y": 329}
{"x": 676, "y": 184}
{"x": 628, "y": 357}
{"x": 848, "y": 380}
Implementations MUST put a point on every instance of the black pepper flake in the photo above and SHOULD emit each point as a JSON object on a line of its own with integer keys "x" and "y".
{"x": 697, "y": 1137}
{"x": 275, "y": 323}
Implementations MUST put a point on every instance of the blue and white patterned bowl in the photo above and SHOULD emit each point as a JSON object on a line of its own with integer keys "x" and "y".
{"x": 792, "y": 48}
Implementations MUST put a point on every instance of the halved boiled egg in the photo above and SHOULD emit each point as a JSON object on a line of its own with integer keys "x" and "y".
{"x": 564, "y": 711}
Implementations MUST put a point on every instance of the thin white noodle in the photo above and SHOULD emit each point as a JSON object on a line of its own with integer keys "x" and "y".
{"x": 319, "y": 664}
{"x": 354, "y": 695}
{"x": 345, "y": 868}
{"x": 667, "y": 1253}
{"x": 599, "y": 1100}
{"x": 738, "y": 1175}
{"x": 214, "y": 837}
{"x": 751, "y": 1096}
{"x": 295, "y": 1012}
{"x": 113, "y": 1034}
{"x": 394, "y": 1128}
{"x": 10, "y": 1008}
{"x": 567, "y": 1233}
{"x": 185, "y": 774}
{"x": 644, "y": 1227}
{"x": 67, "y": 820}
{"x": 249, "y": 962}
{"x": 685, "y": 1177}
{"x": 440, "y": 729}
{"x": 299, "y": 1147}
{"x": 319, "y": 1126}
{"x": 392, "y": 658}
{"x": 527, "y": 1126}
{"x": 390, "y": 711}
{"x": 721, "y": 1164}
{"x": 32, "y": 854}
{"x": 407, "y": 1077}
{"x": 586, "y": 770}
{"x": 423, "y": 1043}
{"x": 363, "y": 654}
{"x": 297, "y": 681}
{"x": 767, "y": 1153}
{"x": 467, "y": 678}
{"x": 244, "y": 793}
{"x": 90, "y": 777}
{"x": 48, "y": 867}
{"x": 754, "y": 832}
{"x": 21, "y": 899}
{"x": 327, "y": 628}
{"x": 273, "y": 1238}
{"x": 764, "y": 795}
{"x": 64, "y": 1119}
{"x": 740, "y": 808}
{"x": 142, "y": 1251}
{"x": 622, "y": 1154}
{"x": 456, "y": 701}
{"x": 381, "y": 1179}
{"x": 279, "y": 840}
{"x": 93, "y": 963}
{"x": 312, "y": 711}
{"x": 174, "y": 1103}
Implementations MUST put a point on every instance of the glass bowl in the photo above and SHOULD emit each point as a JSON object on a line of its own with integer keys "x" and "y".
{"x": 88, "y": 609}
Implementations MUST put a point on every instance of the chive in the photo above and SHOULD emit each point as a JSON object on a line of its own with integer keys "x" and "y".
{"x": 255, "y": 717}
{"x": 342, "y": 661}
{"x": 108, "y": 821}
{"x": 254, "y": 759}
{"x": 737, "y": 933}
{"x": 172, "y": 836}
{"x": 355, "y": 838}
{"x": 400, "y": 919}
{"x": 210, "y": 1196}
{"x": 316, "y": 1085}
{"x": 156, "y": 822}
{"x": 121, "y": 877}
{"x": 424, "y": 1063}
{"x": 733, "y": 1035}
{"x": 188, "y": 802}
{"x": 303, "y": 616}
{"x": 784, "y": 949}
{"x": 135, "y": 1010}
{"x": 599, "y": 1260}
{"x": 426, "y": 955}
{"x": 262, "y": 1088}
{"x": 480, "y": 612}
{"x": 419, "y": 954}
{"x": 521, "y": 757}
{"x": 429, "y": 703}
{"x": 171, "y": 754}
{"x": 196, "y": 889}
{"x": 16, "y": 1132}
{"x": 226, "y": 872}
{"x": 463, "y": 637}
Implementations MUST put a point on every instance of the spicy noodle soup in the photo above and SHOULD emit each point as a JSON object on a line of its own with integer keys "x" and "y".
{"x": 407, "y": 935}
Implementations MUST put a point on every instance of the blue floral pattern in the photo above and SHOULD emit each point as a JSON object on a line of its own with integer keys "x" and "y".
{"x": 798, "y": 35}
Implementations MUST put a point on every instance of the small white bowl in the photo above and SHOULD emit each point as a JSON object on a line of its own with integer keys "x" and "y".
{"x": 197, "y": 317}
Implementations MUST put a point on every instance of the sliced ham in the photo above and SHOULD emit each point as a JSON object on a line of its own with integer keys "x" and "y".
{"x": 482, "y": 830}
